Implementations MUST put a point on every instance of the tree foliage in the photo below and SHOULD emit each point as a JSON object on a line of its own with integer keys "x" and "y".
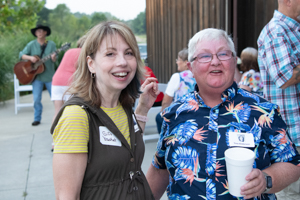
{"x": 139, "y": 24}
{"x": 97, "y": 18}
{"x": 62, "y": 22}
{"x": 19, "y": 14}
{"x": 43, "y": 16}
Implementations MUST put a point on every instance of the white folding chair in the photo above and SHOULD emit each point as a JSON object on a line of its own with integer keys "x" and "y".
{"x": 161, "y": 87}
{"x": 20, "y": 88}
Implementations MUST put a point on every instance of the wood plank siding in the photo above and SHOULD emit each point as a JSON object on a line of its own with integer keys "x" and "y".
{"x": 171, "y": 23}
{"x": 252, "y": 17}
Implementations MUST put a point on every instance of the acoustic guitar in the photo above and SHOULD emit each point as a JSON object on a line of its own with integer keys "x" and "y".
{"x": 26, "y": 71}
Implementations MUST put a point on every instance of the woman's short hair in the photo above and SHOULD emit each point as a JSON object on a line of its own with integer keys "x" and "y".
{"x": 209, "y": 34}
{"x": 83, "y": 85}
{"x": 183, "y": 54}
{"x": 249, "y": 59}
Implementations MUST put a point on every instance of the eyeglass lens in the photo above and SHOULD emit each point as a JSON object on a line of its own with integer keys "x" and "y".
{"x": 207, "y": 57}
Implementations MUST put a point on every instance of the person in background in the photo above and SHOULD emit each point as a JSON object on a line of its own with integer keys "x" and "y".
{"x": 40, "y": 47}
{"x": 237, "y": 72}
{"x": 279, "y": 64}
{"x": 179, "y": 85}
{"x": 250, "y": 80}
{"x": 189, "y": 160}
{"x": 98, "y": 139}
{"x": 149, "y": 73}
{"x": 62, "y": 77}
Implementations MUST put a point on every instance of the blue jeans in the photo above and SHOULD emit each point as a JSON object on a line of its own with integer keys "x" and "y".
{"x": 37, "y": 89}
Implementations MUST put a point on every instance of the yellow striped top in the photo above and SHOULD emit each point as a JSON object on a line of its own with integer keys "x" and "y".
{"x": 120, "y": 119}
{"x": 71, "y": 134}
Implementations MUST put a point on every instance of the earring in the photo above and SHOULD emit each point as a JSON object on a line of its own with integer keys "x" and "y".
{"x": 93, "y": 75}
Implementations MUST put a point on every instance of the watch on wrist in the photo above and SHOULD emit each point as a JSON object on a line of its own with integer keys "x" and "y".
{"x": 268, "y": 182}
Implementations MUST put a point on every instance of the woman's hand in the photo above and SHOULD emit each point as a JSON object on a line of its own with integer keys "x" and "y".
{"x": 149, "y": 94}
{"x": 256, "y": 185}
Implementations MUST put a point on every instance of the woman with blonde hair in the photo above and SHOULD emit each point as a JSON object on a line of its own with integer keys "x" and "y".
{"x": 98, "y": 140}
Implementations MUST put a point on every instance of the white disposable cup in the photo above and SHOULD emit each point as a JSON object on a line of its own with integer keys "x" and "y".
{"x": 239, "y": 163}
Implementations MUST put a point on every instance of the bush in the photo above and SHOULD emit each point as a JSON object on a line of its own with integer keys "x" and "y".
{"x": 10, "y": 45}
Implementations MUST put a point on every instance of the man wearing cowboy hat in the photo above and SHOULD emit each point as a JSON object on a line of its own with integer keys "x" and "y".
{"x": 40, "y": 47}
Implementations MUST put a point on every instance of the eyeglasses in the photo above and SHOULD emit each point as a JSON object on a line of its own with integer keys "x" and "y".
{"x": 207, "y": 57}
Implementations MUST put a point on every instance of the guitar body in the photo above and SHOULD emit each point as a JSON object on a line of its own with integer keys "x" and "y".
{"x": 26, "y": 72}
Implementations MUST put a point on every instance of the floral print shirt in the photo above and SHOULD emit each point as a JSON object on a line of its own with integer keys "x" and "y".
{"x": 186, "y": 84}
{"x": 252, "y": 79}
{"x": 194, "y": 137}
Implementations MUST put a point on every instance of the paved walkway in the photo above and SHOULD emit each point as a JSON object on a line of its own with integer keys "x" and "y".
{"x": 26, "y": 157}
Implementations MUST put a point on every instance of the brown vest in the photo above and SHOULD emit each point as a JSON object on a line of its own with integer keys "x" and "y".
{"x": 113, "y": 172}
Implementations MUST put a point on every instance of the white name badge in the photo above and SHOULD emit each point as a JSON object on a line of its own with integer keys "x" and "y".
{"x": 108, "y": 138}
{"x": 136, "y": 127}
{"x": 241, "y": 139}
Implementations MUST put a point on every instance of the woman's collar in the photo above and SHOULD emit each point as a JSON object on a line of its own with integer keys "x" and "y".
{"x": 228, "y": 94}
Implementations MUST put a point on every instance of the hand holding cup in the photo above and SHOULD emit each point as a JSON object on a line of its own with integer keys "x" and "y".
{"x": 239, "y": 163}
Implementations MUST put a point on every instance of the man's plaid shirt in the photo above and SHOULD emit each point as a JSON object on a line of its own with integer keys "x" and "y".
{"x": 278, "y": 55}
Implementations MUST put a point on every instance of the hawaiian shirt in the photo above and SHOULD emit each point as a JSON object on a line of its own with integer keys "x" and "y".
{"x": 186, "y": 84}
{"x": 278, "y": 55}
{"x": 194, "y": 137}
{"x": 252, "y": 79}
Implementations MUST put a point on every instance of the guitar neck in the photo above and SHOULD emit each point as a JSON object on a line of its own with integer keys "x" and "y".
{"x": 41, "y": 61}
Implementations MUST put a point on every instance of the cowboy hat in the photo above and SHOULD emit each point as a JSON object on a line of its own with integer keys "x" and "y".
{"x": 39, "y": 26}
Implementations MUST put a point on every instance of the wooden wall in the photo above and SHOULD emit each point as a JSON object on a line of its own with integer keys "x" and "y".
{"x": 253, "y": 15}
{"x": 171, "y": 23}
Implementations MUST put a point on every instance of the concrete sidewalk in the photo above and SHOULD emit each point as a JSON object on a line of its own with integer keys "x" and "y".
{"x": 26, "y": 157}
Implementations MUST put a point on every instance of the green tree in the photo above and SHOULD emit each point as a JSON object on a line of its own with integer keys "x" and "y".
{"x": 19, "y": 14}
{"x": 97, "y": 18}
{"x": 67, "y": 25}
{"x": 58, "y": 18}
{"x": 44, "y": 16}
{"x": 61, "y": 21}
{"x": 138, "y": 24}
{"x": 83, "y": 25}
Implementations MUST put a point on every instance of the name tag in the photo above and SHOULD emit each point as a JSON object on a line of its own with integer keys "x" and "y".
{"x": 241, "y": 139}
{"x": 135, "y": 125}
{"x": 108, "y": 138}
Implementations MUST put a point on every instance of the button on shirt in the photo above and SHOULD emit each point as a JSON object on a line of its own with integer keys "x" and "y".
{"x": 278, "y": 55}
{"x": 194, "y": 138}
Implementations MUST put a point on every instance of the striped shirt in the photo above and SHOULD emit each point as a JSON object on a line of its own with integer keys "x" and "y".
{"x": 278, "y": 55}
{"x": 71, "y": 134}
{"x": 119, "y": 117}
